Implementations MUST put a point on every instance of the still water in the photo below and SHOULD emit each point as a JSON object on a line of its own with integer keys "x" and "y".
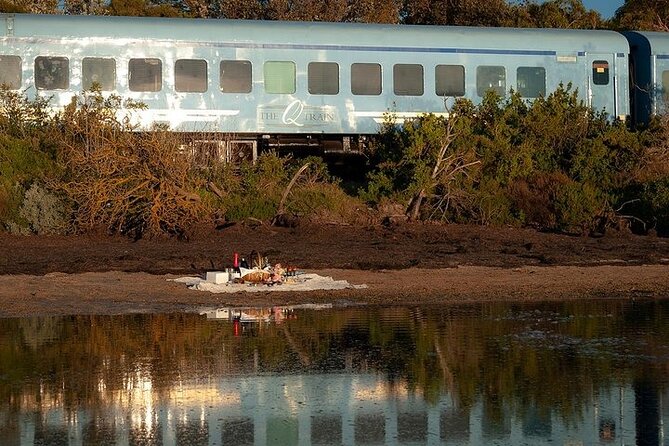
{"x": 578, "y": 373}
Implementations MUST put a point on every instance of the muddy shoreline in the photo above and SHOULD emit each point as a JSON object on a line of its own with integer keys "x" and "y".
{"x": 406, "y": 265}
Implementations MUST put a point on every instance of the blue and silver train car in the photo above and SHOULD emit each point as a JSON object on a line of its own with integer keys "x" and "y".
{"x": 650, "y": 73}
{"x": 297, "y": 82}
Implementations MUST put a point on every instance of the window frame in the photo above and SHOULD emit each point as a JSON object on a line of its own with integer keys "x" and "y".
{"x": 11, "y": 85}
{"x": 232, "y": 81}
{"x": 542, "y": 91}
{"x": 500, "y": 90}
{"x": 459, "y": 93}
{"x": 145, "y": 61}
{"x": 102, "y": 87}
{"x": 398, "y": 76}
{"x": 323, "y": 91}
{"x": 62, "y": 85}
{"x": 275, "y": 78}
{"x": 364, "y": 90}
{"x": 203, "y": 86}
{"x": 597, "y": 76}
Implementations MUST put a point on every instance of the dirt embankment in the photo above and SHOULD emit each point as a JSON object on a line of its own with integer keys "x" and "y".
{"x": 402, "y": 265}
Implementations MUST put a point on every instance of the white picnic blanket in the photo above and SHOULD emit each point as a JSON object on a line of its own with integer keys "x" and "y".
{"x": 303, "y": 282}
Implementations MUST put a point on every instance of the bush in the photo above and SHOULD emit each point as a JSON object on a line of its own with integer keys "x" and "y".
{"x": 553, "y": 164}
{"x": 21, "y": 164}
{"x": 124, "y": 181}
{"x": 44, "y": 212}
{"x": 420, "y": 163}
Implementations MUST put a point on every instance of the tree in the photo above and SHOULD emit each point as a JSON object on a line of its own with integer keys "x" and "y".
{"x": 30, "y": 6}
{"x": 11, "y": 7}
{"x": 307, "y": 10}
{"x": 238, "y": 9}
{"x": 193, "y": 8}
{"x": 457, "y": 12}
{"x": 650, "y": 15}
{"x": 85, "y": 7}
{"x": 142, "y": 8}
{"x": 422, "y": 164}
{"x": 373, "y": 11}
{"x": 558, "y": 14}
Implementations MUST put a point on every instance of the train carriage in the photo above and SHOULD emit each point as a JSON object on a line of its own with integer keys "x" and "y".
{"x": 296, "y": 83}
{"x": 649, "y": 73}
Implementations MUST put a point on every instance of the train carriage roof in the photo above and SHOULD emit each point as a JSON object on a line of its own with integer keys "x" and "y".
{"x": 304, "y": 34}
{"x": 656, "y": 43}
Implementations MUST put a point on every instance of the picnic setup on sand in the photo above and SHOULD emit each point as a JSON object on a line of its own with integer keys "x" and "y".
{"x": 261, "y": 276}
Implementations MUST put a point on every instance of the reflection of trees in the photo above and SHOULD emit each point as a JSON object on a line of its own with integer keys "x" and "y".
{"x": 547, "y": 356}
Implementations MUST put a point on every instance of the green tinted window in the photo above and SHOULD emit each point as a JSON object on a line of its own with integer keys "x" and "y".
{"x": 279, "y": 77}
{"x": 600, "y": 72}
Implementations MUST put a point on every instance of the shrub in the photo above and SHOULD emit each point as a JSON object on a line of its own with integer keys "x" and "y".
{"x": 21, "y": 164}
{"x": 421, "y": 164}
{"x": 647, "y": 206}
{"x": 127, "y": 182}
{"x": 44, "y": 212}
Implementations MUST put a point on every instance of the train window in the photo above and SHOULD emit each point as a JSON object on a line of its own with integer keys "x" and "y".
{"x": 600, "y": 72}
{"x": 279, "y": 77}
{"x": 10, "y": 72}
{"x": 323, "y": 78}
{"x": 449, "y": 80}
{"x": 490, "y": 78}
{"x": 235, "y": 76}
{"x": 190, "y": 75}
{"x": 366, "y": 79}
{"x": 97, "y": 71}
{"x": 145, "y": 75}
{"x": 665, "y": 86}
{"x": 52, "y": 73}
{"x": 531, "y": 81}
{"x": 408, "y": 79}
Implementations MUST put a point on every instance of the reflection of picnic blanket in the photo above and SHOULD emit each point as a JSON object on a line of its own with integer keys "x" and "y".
{"x": 304, "y": 282}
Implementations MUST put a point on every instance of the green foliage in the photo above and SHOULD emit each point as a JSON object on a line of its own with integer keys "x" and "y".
{"x": 21, "y": 117}
{"x": 558, "y": 14}
{"x": 648, "y": 203}
{"x": 551, "y": 163}
{"x": 419, "y": 162}
{"x": 21, "y": 164}
{"x": 255, "y": 190}
{"x": 526, "y": 13}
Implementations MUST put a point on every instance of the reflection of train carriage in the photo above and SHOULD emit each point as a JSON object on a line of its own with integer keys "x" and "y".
{"x": 317, "y": 84}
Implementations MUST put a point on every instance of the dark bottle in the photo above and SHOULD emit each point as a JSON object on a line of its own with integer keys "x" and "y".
{"x": 244, "y": 263}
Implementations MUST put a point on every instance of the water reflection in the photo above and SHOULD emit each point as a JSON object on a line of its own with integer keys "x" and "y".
{"x": 573, "y": 373}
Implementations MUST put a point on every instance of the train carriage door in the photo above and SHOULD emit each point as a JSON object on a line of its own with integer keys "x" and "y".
{"x": 602, "y": 83}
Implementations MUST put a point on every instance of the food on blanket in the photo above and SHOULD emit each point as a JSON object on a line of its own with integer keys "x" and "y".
{"x": 257, "y": 276}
